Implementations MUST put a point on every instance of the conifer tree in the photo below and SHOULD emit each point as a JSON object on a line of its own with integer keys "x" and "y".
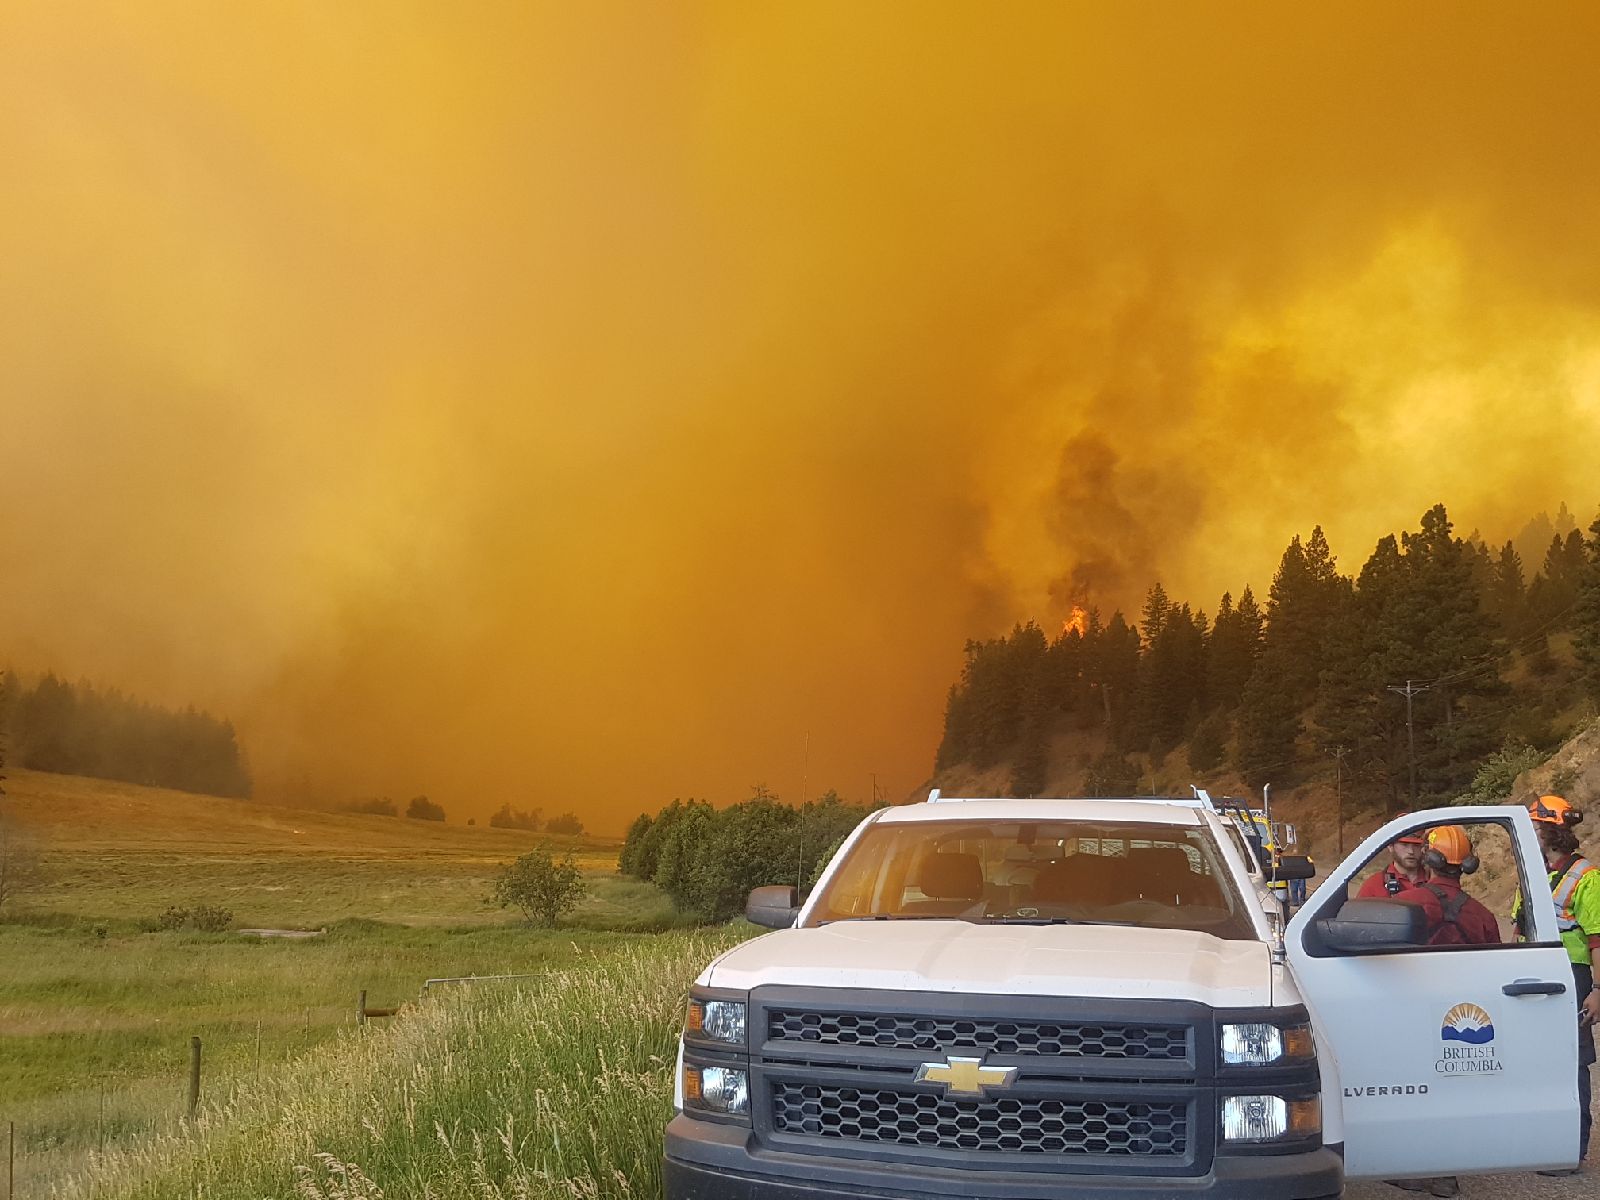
{"x": 1353, "y": 711}
{"x": 1157, "y": 606}
{"x": 1507, "y": 594}
{"x": 1232, "y": 647}
{"x": 1302, "y": 603}
{"x": 1586, "y": 616}
{"x": 1117, "y": 676}
{"x": 1451, "y": 646}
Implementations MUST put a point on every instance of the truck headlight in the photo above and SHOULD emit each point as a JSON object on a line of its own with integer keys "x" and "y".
{"x": 716, "y": 1020}
{"x": 1261, "y": 1044}
{"x": 716, "y": 1089}
{"x": 1269, "y": 1118}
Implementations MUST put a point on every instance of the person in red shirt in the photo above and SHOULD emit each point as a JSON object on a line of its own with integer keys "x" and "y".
{"x": 1404, "y": 873}
{"x": 1454, "y": 918}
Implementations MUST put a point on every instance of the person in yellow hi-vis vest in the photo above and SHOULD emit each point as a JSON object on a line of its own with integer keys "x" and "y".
{"x": 1575, "y": 888}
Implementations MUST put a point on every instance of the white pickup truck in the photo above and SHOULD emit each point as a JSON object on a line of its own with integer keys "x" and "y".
{"x": 1030, "y": 999}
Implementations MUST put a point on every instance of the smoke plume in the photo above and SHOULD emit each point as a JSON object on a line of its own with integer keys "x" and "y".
{"x": 579, "y": 406}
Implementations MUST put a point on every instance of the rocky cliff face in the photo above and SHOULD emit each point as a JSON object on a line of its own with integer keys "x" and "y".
{"x": 1573, "y": 772}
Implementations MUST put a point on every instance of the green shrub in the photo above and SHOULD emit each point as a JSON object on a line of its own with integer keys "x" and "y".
{"x": 206, "y": 918}
{"x": 1492, "y": 783}
{"x": 542, "y": 887}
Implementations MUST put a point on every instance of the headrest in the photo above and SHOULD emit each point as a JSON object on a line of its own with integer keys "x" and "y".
{"x": 951, "y": 877}
{"x": 1162, "y": 860}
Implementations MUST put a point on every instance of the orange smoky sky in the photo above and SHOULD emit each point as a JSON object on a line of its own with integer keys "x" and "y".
{"x": 586, "y": 405}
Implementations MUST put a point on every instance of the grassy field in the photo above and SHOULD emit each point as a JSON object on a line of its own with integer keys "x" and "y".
{"x": 557, "y": 1088}
{"x": 96, "y": 1013}
{"x": 118, "y": 851}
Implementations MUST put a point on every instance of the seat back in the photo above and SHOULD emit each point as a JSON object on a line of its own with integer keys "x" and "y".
{"x": 950, "y": 882}
{"x": 1166, "y": 874}
{"x": 1077, "y": 879}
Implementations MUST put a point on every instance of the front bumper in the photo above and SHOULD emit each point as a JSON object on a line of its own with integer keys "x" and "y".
{"x": 710, "y": 1161}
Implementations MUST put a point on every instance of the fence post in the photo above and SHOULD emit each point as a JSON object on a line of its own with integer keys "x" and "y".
{"x": 361, "y": 1007}
{"x": 194, "y": 1076}
{"x": 11, "y": 1160}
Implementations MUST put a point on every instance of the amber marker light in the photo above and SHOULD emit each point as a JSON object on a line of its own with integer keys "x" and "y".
{"x": 1298, "y": 1042}
{"x": 1305, "y": 1117}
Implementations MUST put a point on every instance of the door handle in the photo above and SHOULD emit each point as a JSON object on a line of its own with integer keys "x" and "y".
{"x": 1534, "y": 987}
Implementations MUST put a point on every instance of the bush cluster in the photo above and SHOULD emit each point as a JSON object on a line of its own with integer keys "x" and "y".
{"x": 708, "y": 859}
{"x": 515, "y": 818}
{"x": 423, "y": 809}
{"x": 204, "y": 918}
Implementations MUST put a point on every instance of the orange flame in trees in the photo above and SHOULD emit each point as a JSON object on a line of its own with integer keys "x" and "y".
{"x": 1077, "y": 623}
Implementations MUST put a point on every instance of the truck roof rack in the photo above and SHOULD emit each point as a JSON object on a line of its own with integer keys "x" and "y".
{"x": 1199, "y": 801}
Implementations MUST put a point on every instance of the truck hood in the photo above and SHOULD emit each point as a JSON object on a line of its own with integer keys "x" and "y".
{"x": 1022, "y": 960}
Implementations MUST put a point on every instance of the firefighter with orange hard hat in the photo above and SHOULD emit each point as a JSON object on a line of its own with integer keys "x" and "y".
{"x": 1575, "y": 888}
{"x": 1454, "y": 917}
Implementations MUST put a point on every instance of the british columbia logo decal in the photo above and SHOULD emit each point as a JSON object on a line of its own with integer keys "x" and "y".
{"x": 1467, "y": 1043}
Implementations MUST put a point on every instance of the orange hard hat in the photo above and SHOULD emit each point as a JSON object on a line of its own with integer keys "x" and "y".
{"x": 1555, "y": 810}
{"x": 1451, "y": 843}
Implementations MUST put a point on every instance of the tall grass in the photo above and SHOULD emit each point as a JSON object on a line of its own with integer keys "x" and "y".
{"x": 555, "y": 1090}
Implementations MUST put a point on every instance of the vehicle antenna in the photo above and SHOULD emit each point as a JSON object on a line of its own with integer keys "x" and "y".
{"x": 1276, "y": 952}
{"x": 800, "y": 841}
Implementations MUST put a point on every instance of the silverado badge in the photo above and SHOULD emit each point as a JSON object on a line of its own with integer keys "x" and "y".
{"x": 966, "y": 1076}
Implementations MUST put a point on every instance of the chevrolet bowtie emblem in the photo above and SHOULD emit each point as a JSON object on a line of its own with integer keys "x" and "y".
{"x": 966, "y": 1076}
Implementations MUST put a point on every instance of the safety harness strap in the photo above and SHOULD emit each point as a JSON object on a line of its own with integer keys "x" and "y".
{"x": 1452, "y": 905}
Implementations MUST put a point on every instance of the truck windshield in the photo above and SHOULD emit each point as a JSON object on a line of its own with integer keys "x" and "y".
{"x": 1036, "y": 872}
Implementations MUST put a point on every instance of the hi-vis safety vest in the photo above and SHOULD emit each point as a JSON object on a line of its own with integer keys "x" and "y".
{"x": 1564, "y": 891}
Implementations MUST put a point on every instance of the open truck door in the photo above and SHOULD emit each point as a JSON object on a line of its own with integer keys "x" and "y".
{"x": 1452, "y": 1059}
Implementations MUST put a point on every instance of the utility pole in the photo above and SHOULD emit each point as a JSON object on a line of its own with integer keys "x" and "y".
{"x": 1411, "y": 690}
{"x": 1338, "y": 791}
{"x": 800, "y": 840}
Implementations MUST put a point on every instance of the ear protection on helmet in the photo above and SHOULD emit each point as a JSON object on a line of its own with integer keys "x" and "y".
{"x": 1436, "y": 861}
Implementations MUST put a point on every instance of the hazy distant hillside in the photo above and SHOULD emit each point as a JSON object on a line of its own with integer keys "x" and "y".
{"x": 79, "y": 729}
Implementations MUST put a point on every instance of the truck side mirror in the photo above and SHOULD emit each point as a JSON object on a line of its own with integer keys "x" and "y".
{"x": 773, "y": 907}
{"x": 1294, "y": 866}
{"x": 1374, "y": 925}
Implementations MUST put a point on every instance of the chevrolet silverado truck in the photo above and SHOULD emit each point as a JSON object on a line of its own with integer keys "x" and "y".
{"x": 1032, "y": 999}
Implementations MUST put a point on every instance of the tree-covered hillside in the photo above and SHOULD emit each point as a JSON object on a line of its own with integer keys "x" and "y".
{"x": 78, "y": 729}
{"x": 1317, "y": 677}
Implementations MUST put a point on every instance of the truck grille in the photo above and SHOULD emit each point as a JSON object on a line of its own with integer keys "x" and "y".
{"x": 1018, "y": 1125}
{"x": 886, "y": 1031}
